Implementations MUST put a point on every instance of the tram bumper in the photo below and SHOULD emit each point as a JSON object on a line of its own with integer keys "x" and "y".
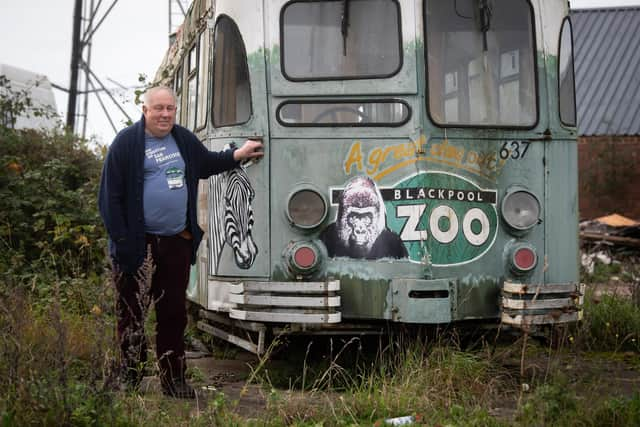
{"x": 529, "y": 305}
{"x": 286, "y": 302}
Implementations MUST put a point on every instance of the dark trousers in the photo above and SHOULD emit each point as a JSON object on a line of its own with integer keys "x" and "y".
{"x": 171, "y": 260}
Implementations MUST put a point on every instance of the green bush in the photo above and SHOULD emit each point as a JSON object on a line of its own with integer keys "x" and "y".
{"x": 50, "y": 230}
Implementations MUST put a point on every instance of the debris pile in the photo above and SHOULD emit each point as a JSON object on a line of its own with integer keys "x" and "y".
{"x": 611, "y": 230}
{"x": 610, "y": 255}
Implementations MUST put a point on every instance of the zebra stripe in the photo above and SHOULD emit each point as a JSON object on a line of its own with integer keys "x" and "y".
{"x": 230, "y": 197}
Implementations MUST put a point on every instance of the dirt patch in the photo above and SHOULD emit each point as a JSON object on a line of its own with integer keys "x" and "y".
{"x": 212, "y": 377}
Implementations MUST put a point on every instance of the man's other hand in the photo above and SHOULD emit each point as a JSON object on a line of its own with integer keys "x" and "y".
{"x": 249, "y": 150}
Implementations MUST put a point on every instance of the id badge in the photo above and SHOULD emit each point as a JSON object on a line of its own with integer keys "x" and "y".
{"x": 175, "y": 178}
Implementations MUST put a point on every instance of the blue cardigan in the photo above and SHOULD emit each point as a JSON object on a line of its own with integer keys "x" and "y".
{"x": 120, "y": 198}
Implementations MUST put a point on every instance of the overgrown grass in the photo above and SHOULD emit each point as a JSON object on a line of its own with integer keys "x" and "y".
{"x": 434, "y": 381}
{"x": 56, "y": 369}
{"x": 54, "y": 364}
{"x": 557, "y": 404}
{"x": 611, "y": 323}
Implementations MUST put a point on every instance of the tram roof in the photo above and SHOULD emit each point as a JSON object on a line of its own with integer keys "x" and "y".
{"x": 607, "y": 65}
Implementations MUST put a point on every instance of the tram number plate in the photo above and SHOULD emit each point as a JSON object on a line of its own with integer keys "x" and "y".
{"x": 514, "y": 149}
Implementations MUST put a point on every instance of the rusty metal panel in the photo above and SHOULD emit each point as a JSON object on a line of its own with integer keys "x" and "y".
{"x": 422, "y": 301}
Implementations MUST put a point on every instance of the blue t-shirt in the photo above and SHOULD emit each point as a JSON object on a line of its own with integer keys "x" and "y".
{"x": 165, "y": 188}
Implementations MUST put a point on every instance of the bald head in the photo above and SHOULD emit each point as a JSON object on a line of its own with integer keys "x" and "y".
{"x": 150, "y": 93}
{"x": 159, "y": 111}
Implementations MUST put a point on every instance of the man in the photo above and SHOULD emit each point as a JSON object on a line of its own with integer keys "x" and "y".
{"x": 147, "y": 200}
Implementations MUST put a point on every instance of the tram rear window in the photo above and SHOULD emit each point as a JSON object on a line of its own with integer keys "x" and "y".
{"x": 481, "y": 63}
{"x": 354, "y": 39}
{"x": 366, "y": 113}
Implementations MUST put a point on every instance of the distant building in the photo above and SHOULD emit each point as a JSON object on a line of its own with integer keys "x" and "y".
{"x": 41, "y": 93}
{"x": 607, "y": 69}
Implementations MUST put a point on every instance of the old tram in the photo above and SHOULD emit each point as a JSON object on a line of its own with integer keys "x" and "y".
{"x": 420, "y": 163}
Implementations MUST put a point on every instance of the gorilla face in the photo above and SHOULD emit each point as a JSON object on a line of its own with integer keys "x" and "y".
{"x": 360, "y": 229}
{"x": 360, "y": 221}
{"x": 361, "y": 216}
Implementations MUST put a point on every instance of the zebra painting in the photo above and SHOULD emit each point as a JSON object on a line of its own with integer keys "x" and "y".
{"x": 231, "y": 220}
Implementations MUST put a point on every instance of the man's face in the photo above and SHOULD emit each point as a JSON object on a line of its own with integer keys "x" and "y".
{"x": 159, "y": 113}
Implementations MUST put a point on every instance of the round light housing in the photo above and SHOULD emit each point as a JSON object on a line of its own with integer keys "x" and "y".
{"x": 306, "y": 208}
{"x": 521, "y": 210}
{"x": 303, "y": 258}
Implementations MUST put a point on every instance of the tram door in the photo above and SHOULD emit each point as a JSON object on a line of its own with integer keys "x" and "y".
{"x": 239, "y": 200}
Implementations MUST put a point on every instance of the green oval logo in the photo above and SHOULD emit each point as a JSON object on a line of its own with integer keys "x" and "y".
{"x": 443, "y": 215}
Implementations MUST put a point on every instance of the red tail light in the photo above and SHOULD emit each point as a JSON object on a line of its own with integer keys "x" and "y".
{"x": 524, "y": 259}
{"x": 304, "y": 257}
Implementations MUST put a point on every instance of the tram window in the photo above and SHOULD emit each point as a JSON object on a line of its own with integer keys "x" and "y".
{"x": 364, "y": 113}
{"x": 566, "y": 91}
{"x": 177, "y": 87}
{"x": 231, "y": 88}
{"x": 481, "y": 63}
{"x": 191, "y": 102}
{"x": 192, "y": 88}
{"x": 192, "y": 59}
{"x": 320, "y": 40}
{"x": 202, "y": 80}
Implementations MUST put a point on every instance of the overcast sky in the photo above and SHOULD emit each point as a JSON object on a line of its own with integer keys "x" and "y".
{"x": 36, "y": 35}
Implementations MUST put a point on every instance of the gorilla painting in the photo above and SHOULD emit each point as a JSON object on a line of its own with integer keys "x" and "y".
{"x": 360, "y": 229}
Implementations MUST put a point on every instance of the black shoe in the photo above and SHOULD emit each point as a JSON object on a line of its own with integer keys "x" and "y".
{"x": 179, "y": 389}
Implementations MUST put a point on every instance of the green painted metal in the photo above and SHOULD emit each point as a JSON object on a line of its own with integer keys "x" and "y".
{"x": 405, "y": 162}
{"x": 423, "y": 301}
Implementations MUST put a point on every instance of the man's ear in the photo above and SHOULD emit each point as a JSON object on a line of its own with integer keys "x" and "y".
{"x": 144, "y": 109}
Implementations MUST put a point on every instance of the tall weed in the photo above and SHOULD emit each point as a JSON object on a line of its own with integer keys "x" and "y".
{"x": 611, "y": 323}
{"x": 434, "y": 381}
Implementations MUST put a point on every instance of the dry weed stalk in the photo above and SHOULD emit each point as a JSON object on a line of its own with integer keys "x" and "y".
{"x": 135, "y": 334}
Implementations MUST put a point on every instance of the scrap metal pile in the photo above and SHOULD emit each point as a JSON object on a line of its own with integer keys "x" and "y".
{"x": 611, "y": 230}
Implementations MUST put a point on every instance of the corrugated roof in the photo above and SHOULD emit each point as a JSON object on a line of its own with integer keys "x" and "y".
{"x": 607, "y": 67}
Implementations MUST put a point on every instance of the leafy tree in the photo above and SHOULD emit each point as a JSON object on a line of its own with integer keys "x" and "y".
{"x": 50, "y": 230}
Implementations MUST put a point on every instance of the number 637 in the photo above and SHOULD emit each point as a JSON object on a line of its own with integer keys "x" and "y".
{"x": 514, "y": 149}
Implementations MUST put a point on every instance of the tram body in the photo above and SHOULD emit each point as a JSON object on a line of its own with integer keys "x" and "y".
{"x": 419, "y": 163}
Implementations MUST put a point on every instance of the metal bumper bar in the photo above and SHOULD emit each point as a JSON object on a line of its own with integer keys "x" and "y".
{"x": 286, "y": 302}
{"x": 528, "y": 305}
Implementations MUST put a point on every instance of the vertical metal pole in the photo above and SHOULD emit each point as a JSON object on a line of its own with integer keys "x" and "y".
{"x": 76, "y": 51}
{"x": 86, "y": 73}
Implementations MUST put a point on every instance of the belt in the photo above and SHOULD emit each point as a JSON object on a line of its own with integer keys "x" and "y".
{"x": 185, "y": 234}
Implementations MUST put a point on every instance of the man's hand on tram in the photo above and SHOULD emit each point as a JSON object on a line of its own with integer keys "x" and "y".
{"x": 251, "y": 148}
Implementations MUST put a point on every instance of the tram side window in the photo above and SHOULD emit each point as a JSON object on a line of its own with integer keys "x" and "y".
{"x": 192, "y": 87}
{"x": 177, "y": 87}
{"x": 566, "y": 80}
{"x": 231, "y": 88}
{"x": 341, "y": 39}
{"x": 202, "y": 80}
{"x": 344, "y": 113}
{"x": 481, "y": 62}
